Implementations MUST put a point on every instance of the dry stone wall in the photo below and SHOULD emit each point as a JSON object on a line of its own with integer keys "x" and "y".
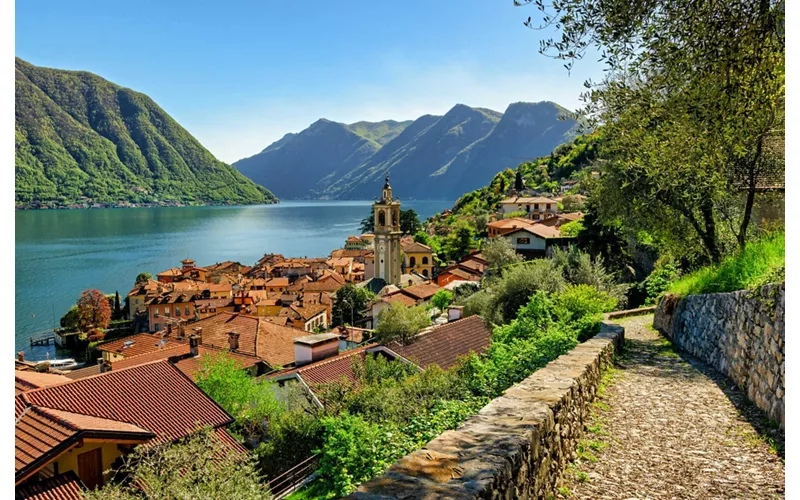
{"x": 515, "y": 447}
{"x": 740, "y": 334}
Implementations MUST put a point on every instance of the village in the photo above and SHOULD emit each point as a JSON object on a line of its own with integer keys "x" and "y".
{"x": 293, "y": 321}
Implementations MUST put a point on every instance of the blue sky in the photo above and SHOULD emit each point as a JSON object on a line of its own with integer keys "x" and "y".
{"x": 239, "y": 75}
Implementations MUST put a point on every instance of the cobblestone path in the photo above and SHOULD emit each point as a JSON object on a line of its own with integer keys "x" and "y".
{"x": 669, "y": 426}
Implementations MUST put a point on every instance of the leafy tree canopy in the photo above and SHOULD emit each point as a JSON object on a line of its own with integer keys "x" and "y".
{"x": 400, "y": 322}
{"x": 94, "y": 310}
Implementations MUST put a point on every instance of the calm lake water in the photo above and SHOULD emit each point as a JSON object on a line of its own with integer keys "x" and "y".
{"x": 60, "y": 253}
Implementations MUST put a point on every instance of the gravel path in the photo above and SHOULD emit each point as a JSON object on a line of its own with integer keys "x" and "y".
{"x": 669, "y": 426}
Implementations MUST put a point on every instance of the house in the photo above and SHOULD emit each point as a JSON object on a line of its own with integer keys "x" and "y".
{"x": 269, "y": 305}
{"x": 536, "y": 207}
{"x": 170, "y": 275}
{"x": 470, "y": 269}
{"x": 249, "y": 335}
{"x": 443, "y": 345}
{"x": 85, "y": 427}
{"x": 369, "y": 266}
{"x": 342, "y": 265}
{"x": 170, "y": 306}
{"x": 504, "y": 226}
{"x": 139, "y": 295}
{"x": 369, "y": 239}
{"x": 568, "y": 185}
{"x": 318, "y": 363}
{"x": 417, "y": 258}
{"x": 138, "y": 344}
{"x": 290, "y": 269}
{"x": 355, "y": 243}
{"x": 410, "y": 296}
{"x": 204, "y": 308}
{"x": 533, "y": 239}
{"x": 561, "y": 219}
{"x": 306, "y": 316}
{"x": 206, "y": 290}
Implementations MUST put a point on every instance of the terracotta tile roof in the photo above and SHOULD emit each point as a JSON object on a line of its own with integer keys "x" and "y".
{"x": 331, "y": 275}
{"x": 269, "y": 341}
{"x": 473, "y": 266}
{"x": 353, "y": 239}
{"x": 213, "y": 303}
{"x": 154, "y": 396}
{"x": 423, "y": 291}
{"x": 172, "y": 272}
{"x": 330, "y": 369}
{"x": 83, "y": 372}
{"x": 525, "y": 200}
{"x": 304, "y": 312}
{"x": 443, "y": 344}
{"x": 28, "y": 380}
{"x": 416, "y": 247}
{"x": 178, "y": 349}
{"x": 173, "y": 298}
{"x": 340, "y": 262}
{"x": 278, "y": 320}
{"x": 510, "y": 223}
{"x": 191, "y": 365}
{"x": 539, "y": 230}
{"x": 143, "y": 343}
{"x": 400, "y": 297}
{"x": 328, "y": 285}
{"x": 151, "y": 286}
{"x": 64, "y": 486}
{"x": 464, "y": 274}
{"x": 278, "y": 282}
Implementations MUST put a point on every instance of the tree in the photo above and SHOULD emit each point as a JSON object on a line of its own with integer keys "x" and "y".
{"x": 94, "y": 310}
{"x": 460, "y": 240}
{"x": 251, "y": 402}
{"x": 692, "y": 107}
{"x": 143, "y": 278}
{"x": 349, "y": 304}
{"x": 572, "y": 203}
{"x": 199, "y": 466}
{"x": 499, "y": 252}
{"x": 409, "y": 221}
{"x": 368, "y": 223}
{"x": 519, "y": 183}
{"x": 401, "y": 323}
{"x": 442, "y": 299}
{"x": 117, "y": 307}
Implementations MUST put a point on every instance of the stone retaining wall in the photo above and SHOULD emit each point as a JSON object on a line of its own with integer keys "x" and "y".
{"x": 518, "y": 445}
{"x": 740, "y": 334}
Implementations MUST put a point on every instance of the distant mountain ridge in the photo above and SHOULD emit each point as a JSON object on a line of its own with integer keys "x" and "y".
{"x": 80, "y": 139}
{"x": 432, "y": 157}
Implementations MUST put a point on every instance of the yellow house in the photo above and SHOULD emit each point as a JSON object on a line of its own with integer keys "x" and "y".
{"x": 269, "y": 305}
{"x": 419, "y": 258}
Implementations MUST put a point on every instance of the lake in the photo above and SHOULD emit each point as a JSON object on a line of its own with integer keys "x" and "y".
{"x": 60, "y": 253}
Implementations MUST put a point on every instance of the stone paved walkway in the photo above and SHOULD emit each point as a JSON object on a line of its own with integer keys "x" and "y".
{"x": 668, "y": 426}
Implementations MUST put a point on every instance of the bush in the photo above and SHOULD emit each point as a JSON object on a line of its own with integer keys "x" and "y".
{"x": 293, "y": 437}
{"x": 761, "y": 262}
{"x": 581, "y": 307}
{"x": 499, "y": 252}
{"x": 400, "y": 322}
{"x": 442, "y": 299}
{"x": 658, "y": 281}
{"x": 517, "y": 284}
{"x": 571, "y": 229}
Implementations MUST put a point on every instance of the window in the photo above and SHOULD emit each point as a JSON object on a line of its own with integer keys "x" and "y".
{"x": 166, "y": 311}
{"x": 425, "y": 272}
{"x": 381, "y": 218}
{"x": 523, "y": 241}
{"x": 394, "y": 217}
{"x": 424, "y": 261}
{"x": 186, "y": 310}
{"x": 155, "y": 312}
{"x": 536, "y": 217}
{"x": 536, "y": 206}
{"x": 413, "y": 261}
{"x": 178, "y": 311}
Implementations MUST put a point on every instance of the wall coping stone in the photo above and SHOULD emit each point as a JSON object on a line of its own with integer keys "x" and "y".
{"x": 631, "y": 312}
{"x": 518, "y": 445}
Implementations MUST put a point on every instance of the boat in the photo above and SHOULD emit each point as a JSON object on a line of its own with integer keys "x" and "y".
{"x": 58, "y": 364}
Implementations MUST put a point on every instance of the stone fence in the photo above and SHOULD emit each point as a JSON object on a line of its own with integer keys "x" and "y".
{"x": 741, "y": 334}
{"x": 518, "y": 445}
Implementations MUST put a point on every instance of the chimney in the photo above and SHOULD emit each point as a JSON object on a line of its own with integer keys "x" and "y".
{"x": 21, "y": 356}
{"x": 233, "y": 340}
{"x": 199, "y": 332}
{"x": 194, "y": 345}
{"x": 312, "y": 348}
{"x": 180, "y": 330}
{"x": 454, "y": 313}
{"x": 169, "y": 329}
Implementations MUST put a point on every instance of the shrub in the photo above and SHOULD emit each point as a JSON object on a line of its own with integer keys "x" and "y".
{"x": 499, "y": 252}
{"x": 581, "y": 307}
{"x": 400, "y": 322}
{"x": 658, "y": 281}
{"x": 517, "y": 284}
{"x": 293, "y": 437}
{"x": 571, "y": 229}
{"x": 442, "y": 299}
{"x": 761, "y": 262}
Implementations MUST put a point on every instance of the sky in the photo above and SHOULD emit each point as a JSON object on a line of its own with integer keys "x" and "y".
{"x": 239, "y": 75}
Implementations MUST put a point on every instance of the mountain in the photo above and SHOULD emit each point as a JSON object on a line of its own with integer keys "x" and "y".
{"x": 300, "y": 165}
{"x": 433, "y": 157}
{"x": 82, "y": 139}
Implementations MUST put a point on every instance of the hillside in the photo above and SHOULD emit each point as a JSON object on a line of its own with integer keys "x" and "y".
{"x": 433, "y": 157}
{"x": 81, "y": 139}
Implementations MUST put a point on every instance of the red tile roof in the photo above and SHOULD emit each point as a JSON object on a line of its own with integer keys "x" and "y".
{"x": 423, "y": 291}
{"x": 155, "y": 396}
{"x": 64, "y": 486}
{"x": 143, "y": 343}
{"x": 28, "y": 380}
{"x": 416, "y": 247}
{"x": 444, "y": 344}
{"x": 178, "y": 349}
{"x": 331, "y": 369}
{"x": 399, "y": 297}
{"x": 191, "y": 365}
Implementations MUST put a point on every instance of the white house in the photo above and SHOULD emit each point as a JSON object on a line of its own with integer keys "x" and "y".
{"x": 532, "y": 238}
{"x": 537, "y": 206}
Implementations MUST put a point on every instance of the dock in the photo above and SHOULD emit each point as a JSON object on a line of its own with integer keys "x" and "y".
{"x": 43, "y": 339}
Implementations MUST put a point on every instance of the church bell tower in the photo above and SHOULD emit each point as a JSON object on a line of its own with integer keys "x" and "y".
{"x": 387, "y": 236}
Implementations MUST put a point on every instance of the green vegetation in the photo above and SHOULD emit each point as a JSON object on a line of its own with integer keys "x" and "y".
{"x": 442, "y": 299}
{"x": 761, "y": 262}
{"x": 349, "y": 304}
{"x": 400, "y": 322}
{"x": 499, "y": 253}
{"x": 199, "y": 466}
{"x": 251, "y": 402}
{"x": 82, "y": 139}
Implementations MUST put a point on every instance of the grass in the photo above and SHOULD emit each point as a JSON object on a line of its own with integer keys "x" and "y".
{"x": 314, "y": 491}
{"x": 761, "y": 262}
